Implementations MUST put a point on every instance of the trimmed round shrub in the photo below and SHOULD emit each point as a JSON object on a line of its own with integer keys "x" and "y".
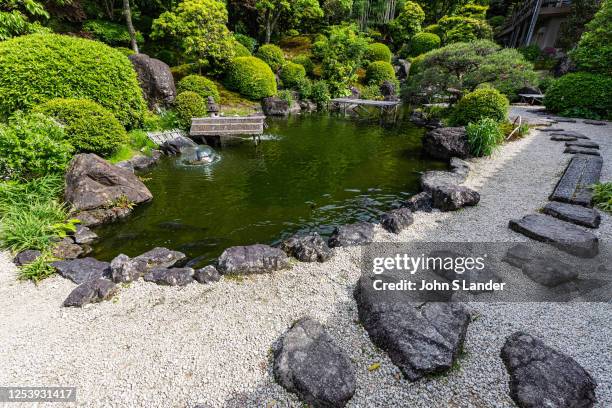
{"x": 320, "y": 93}
{"x": 38, "y": 67}
{"x": 379, "y": 72}
{"x": 433, "y": 29}
{"x": 305, "y": 61}
{"x": 581, "y": 94}
{"x": 272, "y": 55}
{"x": 292, "y": 74}
{"x": 484, "y": 136}
{"x": 240, "y": 50}
{"x": 33, "y": 146}
{"x": 125, "y": 51}
{"x": 189, "y": 105}
{"x": 249, "y": 42}
{"x": 480, "y": 104}
{"x": 181, "y": 71}
{"x": 89, "y": 127}
{"x": 422, "y": 43}
{"x": 378, "y": 52}
{"x": 416, "y": 64}
{"x": 200, "y": 85}
{"x": 251, "y": 77}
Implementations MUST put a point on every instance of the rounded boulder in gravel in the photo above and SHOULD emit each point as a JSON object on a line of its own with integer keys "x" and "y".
{"x": 309, "y": 363}
{"x": 258, "y": 258}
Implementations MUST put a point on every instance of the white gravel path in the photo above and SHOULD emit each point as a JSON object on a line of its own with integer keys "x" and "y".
{"x": 157, "y": 346}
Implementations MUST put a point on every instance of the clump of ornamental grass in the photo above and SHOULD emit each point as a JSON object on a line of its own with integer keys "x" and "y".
{"x": 484, "y": 137}
{"x": 602, "y": 196}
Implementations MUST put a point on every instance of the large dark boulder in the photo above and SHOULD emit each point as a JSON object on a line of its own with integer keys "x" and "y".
{"x": 91, "y": 291}
{"x": 251, "y": 259}
{"x": 420, "y": 202}
{"x": 82, "y": 270}
{"x": 352, "y": 234}
{"x": 66, "y": 249}
{"x": 307, "y": 248}
{"x": 26, "y": 257}
{"x": 452, "y": 198}
{"x": 444, "y": 143}
{"x": 544, "y": 377}
{"x": 124, "y": 269}
{"x": 208, "y": 274}
{"x": 155, "y": 79}
{"x": 388, "y": 91}
{"x": 84, "y": 235}
{"x": 397, "y": 220}
{"x": 309, "y": 363}
{"x": 274, "y": 106}
{"x": 564, "y": 66}
{"x": 93, "y": 183}
{"x": 170, "y": 276}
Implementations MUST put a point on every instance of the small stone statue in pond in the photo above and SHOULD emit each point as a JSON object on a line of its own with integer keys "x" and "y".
{"x": 213, "y": 108}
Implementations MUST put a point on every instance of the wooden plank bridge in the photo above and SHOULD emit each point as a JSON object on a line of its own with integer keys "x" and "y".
{"x": 387, "y": 108}
{"x": 227, "y": 126}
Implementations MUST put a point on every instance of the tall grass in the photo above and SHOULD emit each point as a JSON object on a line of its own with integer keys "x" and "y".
{"x": 602, "y": 196}
{"x": 484, "y": 137}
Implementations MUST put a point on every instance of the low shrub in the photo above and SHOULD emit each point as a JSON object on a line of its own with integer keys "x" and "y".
{"x": 478, "y": 105}
{"x": 371, "y": 92}
{"x": 88, "y": 126}
{"x": 463, "y": 29}
{"x": 304, "y": 88}
{"x": 581, "y": 94}
{"x": 181, "y": 71}
{"x": 378, "y": 72}
{"x": 320, "y": 93}
{"x": 109, "y": 32}
{"x": 416, "y": 64}
{"x": 251, "y": 77}
{"x": 32, "y": 146}
{"x": 433, "y": 29}
{"x": 594, "y": 50}
{"x": 530, "y": 52}
{"x": 286, "y": 95}
{"x": 306, "y": 62}
{"x": 189, "y": 105}
{"x": 378, "y": 52}
{"x": 200, "y": 85}
{"x": 291, "y": 74}
{"x": 125, "y": 51}
{"x": 272, "y": 55}
{"x": 249, "y": 42}
{"x": 422, "y": 43}
{"x": 602, "y": 196}
{"x": 240, "y": 50}
{"x": 484, "y": 136}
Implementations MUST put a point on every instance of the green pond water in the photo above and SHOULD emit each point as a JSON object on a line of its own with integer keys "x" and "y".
{"x": 308, "y": 173}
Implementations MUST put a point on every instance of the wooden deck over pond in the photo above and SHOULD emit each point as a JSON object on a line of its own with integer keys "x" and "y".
{"x": 227, "y": 126}
{"x": 388, "y": 109}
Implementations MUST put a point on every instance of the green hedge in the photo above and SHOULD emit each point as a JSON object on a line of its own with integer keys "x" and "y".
{"x": 200, "y": 85}
{"x": 292, "y": 74}
{"x": 39, "y": 67}
{"x": 240, "y": 50}
{"x": 249, "y": 42}
{"x": 582, "y": 95}
{"x": 109, "y": 32}
{"x": 594, "y": 51}
{"x": 480, "y": 104}
{"x": 422, "y": 43}
{"x": 378, "y": 52}
{"x": 251, "y": 77}
{"x": 89, "y": 127}
{"x": 305, "y": 61}
{"x": 189, "y": 105}
{"x": 378, "y": 72}
{"x": 272, "y": 55}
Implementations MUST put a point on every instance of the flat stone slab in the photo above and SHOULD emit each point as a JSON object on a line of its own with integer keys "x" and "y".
{"x": 549, "y": 271}
{"x": 583, "y": 143}
{"x": 562, "y": 235}
{"x": 551, "y": 129}
{"x": 576, "y": 214}
{"x": 83, "y": 269}
{"x": 560, "y": 138}
{"x": 562, "y": 120}
{"x": 595, "y": 122}
{"x": 582, "y": 150}
{"x": 574, "y": 186}
{"x": 570, "y": 133}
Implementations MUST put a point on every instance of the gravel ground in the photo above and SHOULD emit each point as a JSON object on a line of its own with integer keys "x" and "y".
{"x": 174, "y": 347}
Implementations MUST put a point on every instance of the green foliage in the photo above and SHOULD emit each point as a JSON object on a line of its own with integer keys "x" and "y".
{"x": 125, "y": 51}
{"x": 292, "y": 74}
{"x": 594, "y": 51}
{"x": 110, "y": 33}
{"x": 371, "y": 92}
{"x": 378, "y": 52}
{"x": 272, "y": 55}
{"x": 36, "y": 68}
{"x": 240, "y": 50}
{"x": 199, "y": 28}
{"x": 574, "y": 24}
{"x": 378, "y": 72}
{"x": 249, "y": 42}
{"x": 139, "y": 142}
{"x": 464, "y": 29}
{"x": 337, "y": 10}
{"x": 581, "y": 94}
{"x": 320, "y": 93}
{"x": 189, "y": 105}
{"x": 39, "y": 269}
{"x": 602, "y": 196}
{"x": 407, "y": 23}
{"x": 286, "y": 95}
{"x": 416, "y": 64}
{"x": 530, "y": 52}
{"x": 15, "y": 18}
{"x": 473, "y": 10}
{"x": 484, "y": 136}
{"x": 497, "y": 21}
{"x": 88, "y": 126}
{"x": 306, "y": 62}
{"x": 480, "y": 104}
{"x": 251, "y": 77}
{"x": 422, "y": 43}
{"x": 181, "y": 71}
{"x": 32, "y": 146}
{"x": 433, "y": 29}
{"x": 200, "y": 85}
{"x": 304, "y": 88}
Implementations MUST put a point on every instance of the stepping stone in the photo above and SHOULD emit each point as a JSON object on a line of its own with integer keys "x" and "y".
{"x": 570, "y": 133}
{"x": 576, "y": 214}
{"x": 541, "y": 376}
{"x": 551, "y": 129}
{"x": 562, "y": 235}
{"x": 595, "y": 122}
{"x": 549, "y": 271}
{"x": 561, "y": 138}
{"x": 583, "y": 143}
{"x": 582, "y": 150}
{"x": 574, "y": 186}
{"x": 562, "y": 120}
{"x": 308, "y": 362}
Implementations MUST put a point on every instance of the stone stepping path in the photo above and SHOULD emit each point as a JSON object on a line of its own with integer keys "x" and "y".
{"x": 562, "y": 235}
{"x": 570, "y": 133}
{"x": 582, "y": 150}
{"x": 562, "y": 138}
{"x": 576, "y": 214}
{"x": 562, "y": 120}
{"x": 583, "y": 143}
{"x": 595, "y": 122}
{"x": 573, "y": 187}
{"x": 552, "y": 129}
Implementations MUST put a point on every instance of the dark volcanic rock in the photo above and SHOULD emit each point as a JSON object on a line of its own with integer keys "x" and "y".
{"x": 155, "y": 79}
{"x": 563, "y": 235}
{"x": 549, "y": 271}
{"x": 307, "y": 248}
{"x": 124, "y": 269}
{"x": 569, "y": 133}
{"x": 582, "y": 150}
{"x": 460, "y": 167}
{"x": 595, "y": 122}
{"x": 90, "y": 292}
{"x": 26, "y": 257}
{"x": 208, "y": 274}
{"x": 82, "y": 270}
{"x": 518, "y": 255}
{"x": 551, "y": 129}
{"x": 159, "y": 257}
{"x": 444, "y": 143}
{"x": 420, "y": 341}
{"x": 560, "y": 138}
{"x": 274, "y": 106}
{"x": 574, "y": 186}
{"x": 66, "y": 249}
{"x": 140, "y": 161}
{"x": 420, "y": 202}
{"x": 432, "y": 180}
{"x": 93, "y": 183}
{"x": 250, "y": 259}
{"x": 309, "y": 363}
{"x": 397, "y": 220}
{"x": 84, "y": 235}
{"x": 563, "y": 120}
{"x": 170, "y": 277}
{"x": 583, "y": 143}
{"x": 544, "y": 377}
{"x": 175, "y": 145}
{"x": 454, "y": 197}
{"x": 99, "y": 216}
{"x": 388, "y": 91}
{"x": 352, "y": 234}
{"x": 575, "y": 214}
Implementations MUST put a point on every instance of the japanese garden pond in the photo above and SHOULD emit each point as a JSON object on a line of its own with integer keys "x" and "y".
{"x": 308, "y": 173}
